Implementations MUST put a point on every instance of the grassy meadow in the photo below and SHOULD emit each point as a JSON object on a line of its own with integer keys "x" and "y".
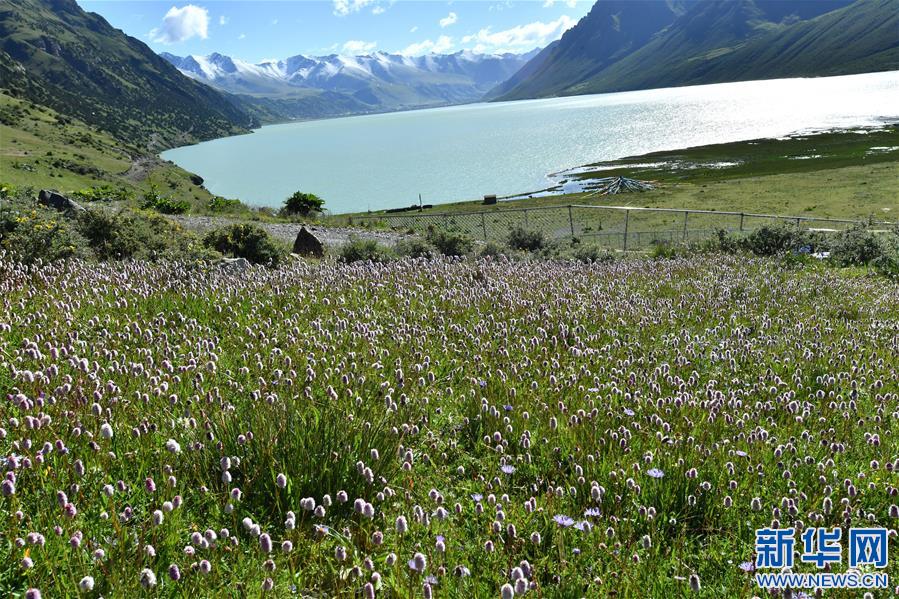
{"x": 436, "y": 428}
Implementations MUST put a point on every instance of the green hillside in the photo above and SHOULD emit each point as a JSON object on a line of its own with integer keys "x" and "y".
{"x": 54, "y": 53}
{"x": 712, "y": 41}
{"x": 40, "y": 148}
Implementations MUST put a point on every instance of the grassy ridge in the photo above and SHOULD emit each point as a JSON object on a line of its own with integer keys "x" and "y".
{"x": 40, "y": 148}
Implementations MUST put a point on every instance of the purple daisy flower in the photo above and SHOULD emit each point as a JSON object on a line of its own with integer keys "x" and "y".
{"x": 655, "y": 473}
{"x": 507, "y": 468}
{"x": 563, "y": 520}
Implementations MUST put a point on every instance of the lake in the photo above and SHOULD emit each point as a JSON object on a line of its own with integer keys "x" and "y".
{"x": 456, "y": 153}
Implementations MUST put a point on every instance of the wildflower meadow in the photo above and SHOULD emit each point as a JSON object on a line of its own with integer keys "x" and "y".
{"x": 436, "y": 428}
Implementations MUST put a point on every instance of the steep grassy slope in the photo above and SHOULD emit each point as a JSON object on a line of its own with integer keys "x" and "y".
{"x": 54, "y": 53}
{"x": 610, "y": 31}
{"x": 858, "y": 38}
{"x": 708, "y": 41}
{"x": 40, "y": 148}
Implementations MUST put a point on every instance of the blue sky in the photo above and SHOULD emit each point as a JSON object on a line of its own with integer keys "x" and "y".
{"x": 260, "y": 30}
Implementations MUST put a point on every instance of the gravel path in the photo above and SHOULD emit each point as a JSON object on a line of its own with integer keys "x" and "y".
{"x": 287, "y": 232}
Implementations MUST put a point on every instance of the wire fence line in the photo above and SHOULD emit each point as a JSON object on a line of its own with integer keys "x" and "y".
{"x": 623, "y": 227}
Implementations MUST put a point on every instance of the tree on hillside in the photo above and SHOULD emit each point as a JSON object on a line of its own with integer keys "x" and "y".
{"x": 303, "y": 204}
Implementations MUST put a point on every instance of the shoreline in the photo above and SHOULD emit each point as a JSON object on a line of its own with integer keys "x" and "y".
{"x": 701, "y": 165}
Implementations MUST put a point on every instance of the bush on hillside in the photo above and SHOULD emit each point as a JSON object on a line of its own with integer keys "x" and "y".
{"x": 415, "y": 247}
{"x": 857, "y": 246}
{"x": 36, "y": 234}
{"x": 246, "y": 241}
{"x": 302, "y": 204}
{"x": 164, "y": 205}
{"x": 449, "y": 243}
{"x": 131, "y": 235}
{"x": 218, "y": 204}
{"x": 102, "y": 193}
{"x": 492, "y": 250}
{"x": 590, "y": 253}
{"x": 527, "y": 240}
{"x": 770, "y": 240}
{"x": 362, "y": 250}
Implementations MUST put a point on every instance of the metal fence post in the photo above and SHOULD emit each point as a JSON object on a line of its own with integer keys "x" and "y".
{"x": 627, "y": 214}
{"x": 741, "y": 221}
{"x": 686, "y": 216}
{"x": 570, "y": 220}
{"x": 484, "y": 225}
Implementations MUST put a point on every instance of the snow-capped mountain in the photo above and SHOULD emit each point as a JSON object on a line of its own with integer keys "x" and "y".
{"x": 378, "y": 81}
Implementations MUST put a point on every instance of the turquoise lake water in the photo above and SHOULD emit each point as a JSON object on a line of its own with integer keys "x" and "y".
{"x": 463, "y": 152}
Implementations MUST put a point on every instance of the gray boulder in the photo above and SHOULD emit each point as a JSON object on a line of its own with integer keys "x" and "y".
{"x": 235, "y": 265}
{"x": 307, "y": 244}
{"x": 57, "y": 201}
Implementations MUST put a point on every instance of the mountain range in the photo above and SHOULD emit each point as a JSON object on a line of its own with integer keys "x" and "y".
{"x": 309, "y": 86}
{"x": 639, "y": 44}
{"x": 54, "y": 53}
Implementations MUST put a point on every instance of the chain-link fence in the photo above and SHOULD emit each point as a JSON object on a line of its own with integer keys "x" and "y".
{"x": 622, "y": 227}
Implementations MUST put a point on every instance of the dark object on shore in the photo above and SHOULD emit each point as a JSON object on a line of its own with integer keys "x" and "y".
{"x": 490, "y": 199}
{"x": 614, "y": 185}
{"x": 307, "y": 244}
{"x": 57, "y": 201}
{"x": 196, "y": 180}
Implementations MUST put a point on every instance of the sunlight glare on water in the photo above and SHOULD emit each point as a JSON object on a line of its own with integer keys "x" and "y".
{"x": 463, "y": 152}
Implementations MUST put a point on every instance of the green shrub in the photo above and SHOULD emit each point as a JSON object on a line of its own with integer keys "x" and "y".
{"x": 302, "y": 204}
{"x": 770, "y": 240}
{"x": 856, "y": 246}
{"x": 527, "y": 240}
{"x": 32, "y": 235}
{"x": 361, "y": 250}
{"x": 664, "y": 249}
{"x": 591, "y": 253}
{"x": 217, "y": 204}
{"x": 723, "y": 241}
{"x": 127, "y": 234}
{"x": 492, "y": 250}
{"x": 246, "y": 241}
{"x": 153, "y": 201}
{"x": 102, "y": 193}
{"x": 449, "y": 243}
{"x": 415, "y": 247}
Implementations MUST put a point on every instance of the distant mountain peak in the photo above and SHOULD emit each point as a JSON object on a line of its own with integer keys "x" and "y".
{"x": 379, "y": 79}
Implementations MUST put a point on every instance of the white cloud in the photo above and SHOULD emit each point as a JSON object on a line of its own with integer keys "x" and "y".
{"x": 448, "y": 20}
{"x": 551, "y": 3}
{"x": 414, "y": 29}
{"x": 520, "y": 38}
{"x": 274, "y": 21}
{"x": 242, "y": 36}
{"x": 180, "y": 24}
{"x": 344, "y": 7}
{"x": 223, "y": 20}
{"x": 443, "y": 44}
{"x": 378, "y": 10}
{"x": 356, "y": 47}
